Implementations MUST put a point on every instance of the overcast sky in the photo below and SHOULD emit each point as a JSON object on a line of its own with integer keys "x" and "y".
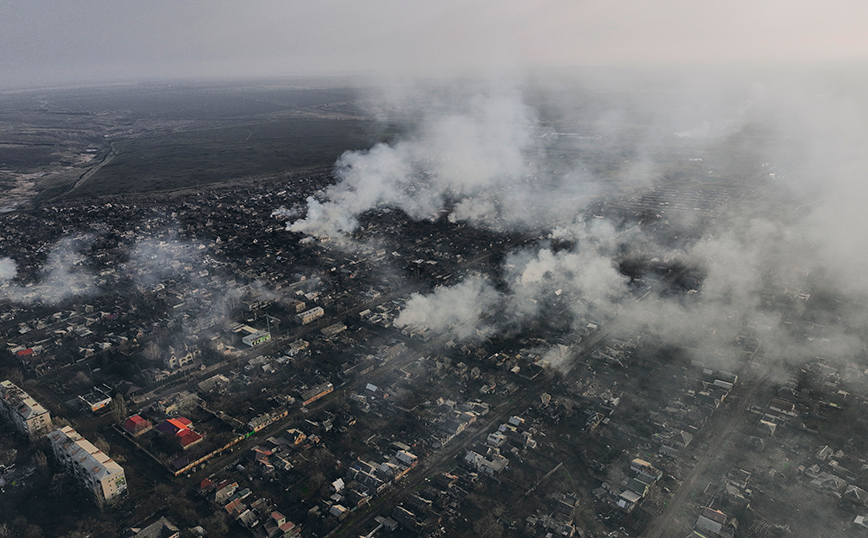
{"x": 62, "y": 41}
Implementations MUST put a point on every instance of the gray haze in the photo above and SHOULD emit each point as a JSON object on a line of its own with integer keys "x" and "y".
{"x": 50, "y": 42}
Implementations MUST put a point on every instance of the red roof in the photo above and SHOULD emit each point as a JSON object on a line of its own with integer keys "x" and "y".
{"x": 188, "y": 437}
{"x": 181, "y": 423}
{"x": 136, "y": 423}
{"x": 175, "y": 426}
{"x": 25, "y": 352}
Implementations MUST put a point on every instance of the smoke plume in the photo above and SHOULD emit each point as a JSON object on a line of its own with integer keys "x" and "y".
{"x": 480, "y": 161}
{"x": 62, "y": 276}
{"x": 741, "y": 204}
{"x": 8, "y": 269}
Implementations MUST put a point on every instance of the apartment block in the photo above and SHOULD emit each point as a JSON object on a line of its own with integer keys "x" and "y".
{"x": 23, "y": 411}
{"x": 89, "y": 465}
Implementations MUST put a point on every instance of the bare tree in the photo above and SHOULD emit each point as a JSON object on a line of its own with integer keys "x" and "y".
{"x": 119, "y": 408}
{"x": 16, "y": 376}
{"x": 101, "y": 444}
{"x": 41, "y": 460}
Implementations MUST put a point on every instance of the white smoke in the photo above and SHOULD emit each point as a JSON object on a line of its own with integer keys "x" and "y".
{"x": 458, "y": 311}
{"x": 797, "y": 234}
{"x": 61, "y": 277}
{"x": 8, "y": 269}
{"x": 583, "y": 281}
{"x": 580, "y": 282}
{"x": 481, "y": 162}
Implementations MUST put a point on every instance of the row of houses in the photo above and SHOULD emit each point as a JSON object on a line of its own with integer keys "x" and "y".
{"x": 256, "y": 515}
{"x": 637, "y": 487}
{"x": 375, "y": 478}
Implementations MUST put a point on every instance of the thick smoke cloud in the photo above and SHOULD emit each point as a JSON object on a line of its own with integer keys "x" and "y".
{"x": 581, "y": 283}
{"x": 780, "y": 263}
{"x": 480, "y": 161}
{"x": 458, "y": 311}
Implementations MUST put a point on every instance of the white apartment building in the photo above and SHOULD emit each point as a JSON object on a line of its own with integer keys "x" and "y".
{"x": 23, "y": 411}
{"x": 89, "y": 465}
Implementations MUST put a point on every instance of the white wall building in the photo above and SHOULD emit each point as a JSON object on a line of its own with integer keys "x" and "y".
{"x": 178, "y": 359}
{"x": 23, "y": 411}
{"x": 89, "y": 465}
{"x": 310, "y": 315}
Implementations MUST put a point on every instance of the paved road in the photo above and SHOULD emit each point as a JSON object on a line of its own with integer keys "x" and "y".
{"x": 722, "y": 424}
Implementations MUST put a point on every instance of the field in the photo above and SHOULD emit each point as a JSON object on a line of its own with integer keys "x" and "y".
{"x": 86, "y": 142}
{"x": 191, "y": 158}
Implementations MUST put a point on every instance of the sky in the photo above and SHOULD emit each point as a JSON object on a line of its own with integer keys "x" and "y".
{"x": 57, "y": 42}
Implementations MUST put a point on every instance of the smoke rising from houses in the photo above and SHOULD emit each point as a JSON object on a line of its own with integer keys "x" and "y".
{"x": 755, "y": 261}
{"x": 479, "y": 160}
{"x": 62, "y": 276}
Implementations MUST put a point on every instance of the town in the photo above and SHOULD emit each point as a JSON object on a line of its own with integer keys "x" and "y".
{"x": 192, "y": 368}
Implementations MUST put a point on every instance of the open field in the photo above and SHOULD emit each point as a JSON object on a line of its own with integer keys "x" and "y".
{"x": 80, "y": 143}
{"x": 190, "y": 158}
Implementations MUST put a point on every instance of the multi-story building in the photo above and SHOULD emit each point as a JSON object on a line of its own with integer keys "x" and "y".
{"x": 311, "y": 315}
{"x": 92, "y": 468}
{"x": 23, "y": 411}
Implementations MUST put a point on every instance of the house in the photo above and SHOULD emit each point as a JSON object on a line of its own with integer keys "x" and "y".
{"x": 155, "y": 376}
{"x": 406, "y": 458}
{"x": 783, "y": 406}
{"x": 628, "y": 501}
{"x": 177, "y": 359}
{"x": 490, "y": 466}
{"x": 248, "y": 518}
{"x": 277, "y": 526}
{"x": 136, "y": 425}
{"x": 295, "y": 436}
{"x": 855, "y": 495}
{"x": 406, "y": 518}
{"x": 712, "y": 522}
{"x": 645, "y": 471}
{"x": 95, "y": 400}
{"x": 129, "y": 390}
{"x": 181, "y": 429}
{"x": 339, "y": 511}
{"x": 357, "y": 498}
{"x": 214, "y": 382}
{"x": 637, "y": 486}
{"x": 256, "y": 338}
{"x": 311, "y": 315}
{"x": 223, "y": 491}
{"x": 496, "y": 439}
{"x": 262, "y": 459}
